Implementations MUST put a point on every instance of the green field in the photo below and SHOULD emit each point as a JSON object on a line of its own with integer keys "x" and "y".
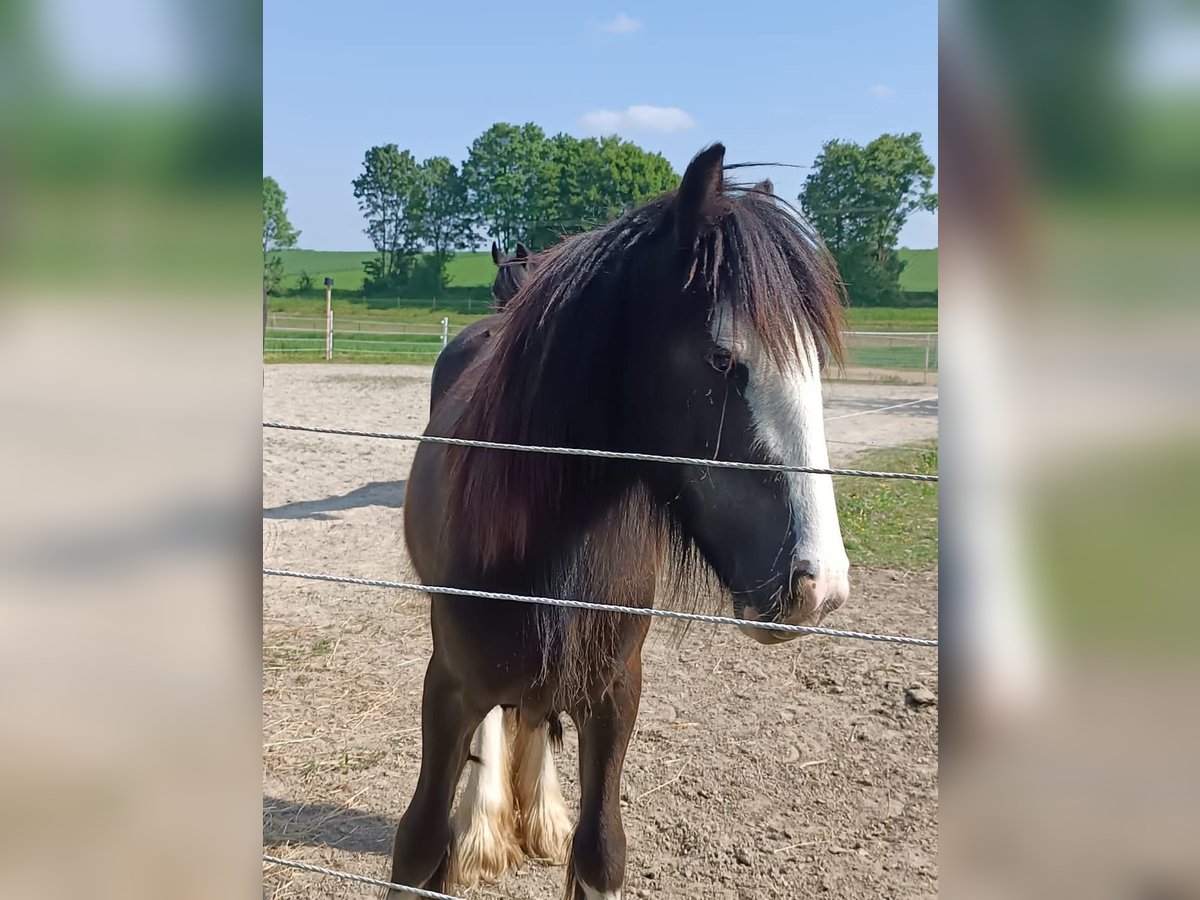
{"x": 920, "y": 273}
{"x": 893, "y": 524}
{"x": 302, "y": 340}
{"x": 475, "y": 270}
{"x": 417, "y": 339}
{"x": 422, "y": 311}
{"x": 345, "y": 267}
{"x": 868, "y": 319}
{"x": 887, "y": 318}
{"x": 467, "y": 298}
{"x": 346, "y": 309}
{"x": 905, "y": 355}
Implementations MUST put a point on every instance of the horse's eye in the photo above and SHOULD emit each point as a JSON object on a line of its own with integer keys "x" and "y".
{"x": 720, "y": 359}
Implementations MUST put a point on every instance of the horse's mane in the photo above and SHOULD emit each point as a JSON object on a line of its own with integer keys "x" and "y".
{"x": 576, "y": 328}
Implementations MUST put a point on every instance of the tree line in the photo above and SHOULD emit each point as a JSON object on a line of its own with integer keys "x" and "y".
{"x": 518, "y": 184}
{"x": 515, "y": 184}
{"x": 858, "y": 197}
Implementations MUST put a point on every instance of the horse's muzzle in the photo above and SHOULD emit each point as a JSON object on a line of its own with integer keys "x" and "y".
{"x": 813, "y": 595}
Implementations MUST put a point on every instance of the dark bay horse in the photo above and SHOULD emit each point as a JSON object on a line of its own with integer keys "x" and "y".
{"x": 511, "y": 272}
{"x": 696, "y": 325}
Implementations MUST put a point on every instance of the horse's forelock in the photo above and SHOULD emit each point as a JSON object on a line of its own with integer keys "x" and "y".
{"x": 771, "y": 264}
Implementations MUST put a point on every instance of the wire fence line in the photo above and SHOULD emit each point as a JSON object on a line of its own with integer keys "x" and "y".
{"x": 575, "y": 604}
{"x": 907, "y": 352}
{"x": 605, "y": 607}
{"x": 433, "y": 346}
{"x": 372, "y": 325}
{"x": 360, "y": 879}
{"x": 366, "y": 326}
{"x": 603, "y": 454}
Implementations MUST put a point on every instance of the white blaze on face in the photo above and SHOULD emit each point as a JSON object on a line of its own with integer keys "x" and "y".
{"x": 788, "y": 412}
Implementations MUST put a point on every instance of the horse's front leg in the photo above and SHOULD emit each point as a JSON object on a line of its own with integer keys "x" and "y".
{"x": 421, "y": 854}
{"x": 485, "y": 824}
{"x": 597, "y": 864}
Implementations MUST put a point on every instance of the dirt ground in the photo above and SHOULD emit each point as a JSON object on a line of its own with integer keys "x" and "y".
{"x": 755, "y": 771}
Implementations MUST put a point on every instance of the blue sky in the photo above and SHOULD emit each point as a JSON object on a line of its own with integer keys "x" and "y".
{"x": 772, "y": 80}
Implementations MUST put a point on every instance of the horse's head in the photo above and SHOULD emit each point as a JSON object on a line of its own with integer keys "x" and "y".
{"x": 696, "y": 326}
{"x": 738, "y": 377}
{"x": 511, "y": 272}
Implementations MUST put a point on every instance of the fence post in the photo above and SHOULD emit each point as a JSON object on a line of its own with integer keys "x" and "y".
{"x": 925, "y": 378}
{"x": 328, "y": 318}
{"x": 445, "y": 331}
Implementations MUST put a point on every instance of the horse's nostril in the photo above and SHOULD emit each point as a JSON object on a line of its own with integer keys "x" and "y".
{"x": 803, "y": 568}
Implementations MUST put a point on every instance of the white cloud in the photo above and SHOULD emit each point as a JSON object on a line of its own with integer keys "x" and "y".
{"x": 622, "y": 24}
{"x": 666, "y": 119}
{"x": 882, "y": 91}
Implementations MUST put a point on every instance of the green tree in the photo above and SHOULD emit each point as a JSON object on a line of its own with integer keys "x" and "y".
{"x": 858, "y": 198}
{"x": 597, "y": 180}
{"x": 522, "y": 185}
{"x": 389, "y": 193}
{"x": 278, "y": 233}
{"x": 577, "y": 180}
{"x": 510, "y": 181}
{"x": 635, "y": 174}
{"x": 442, "y": 216}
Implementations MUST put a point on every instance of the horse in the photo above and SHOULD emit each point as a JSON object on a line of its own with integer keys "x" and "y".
{"x": 512, "y": 272}
{"x": 696, "y": 325}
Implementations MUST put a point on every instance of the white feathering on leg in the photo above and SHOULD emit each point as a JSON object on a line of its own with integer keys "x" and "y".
{"x": 485, "y": 823}
{"x": 545, "y": 822}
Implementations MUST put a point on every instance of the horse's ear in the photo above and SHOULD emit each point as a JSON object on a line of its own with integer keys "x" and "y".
{"x": 495, "y": 253}
{"x": 698, "y": 193}
{"x": 522, "y": 251}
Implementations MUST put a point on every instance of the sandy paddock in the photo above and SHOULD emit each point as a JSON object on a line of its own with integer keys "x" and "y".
{"x": 754, "y": 772}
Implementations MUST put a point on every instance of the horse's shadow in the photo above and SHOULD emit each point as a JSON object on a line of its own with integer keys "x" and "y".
{"x": 377, "y": 493}
{"x": 317, "y": 824}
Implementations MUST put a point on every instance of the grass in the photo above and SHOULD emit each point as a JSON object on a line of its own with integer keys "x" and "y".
{"x": 347, "y": 311}
{"x": 471, "y": 276}
{"x": 475, "y": 268}
{"x": 423, "y": 311}
{"x": 920, "y": 270}
{"x": 901, "y": 356}
{"x": 309, "y": 346}
{"x": 1112, "y": 545}
{"x": 891, "y": 524}
{"x": 355, "y": 342}
{"x": 345, "y": 267}
{"x": 889, "y": 318}
{"x": 467, "y": 300}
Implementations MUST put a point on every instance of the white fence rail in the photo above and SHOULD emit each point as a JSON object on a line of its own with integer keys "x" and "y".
{"x": 331, "y": 337}
{"x": 900, "y": 351}
{"x": 290, "y": 322}
{"x": 909, "y": 351}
